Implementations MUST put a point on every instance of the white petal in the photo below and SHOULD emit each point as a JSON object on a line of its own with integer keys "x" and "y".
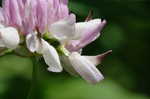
{"x": 81, "y": 27}
{"x": 32, "y": 42}
{"x": 10, "y": 37}
{"x": 85, "y": 68}
{"x": 51, "y": 57}
{"x": 49, "y": 53}
{"x": 68, "y": 66}
{"x": 64, "y": 29}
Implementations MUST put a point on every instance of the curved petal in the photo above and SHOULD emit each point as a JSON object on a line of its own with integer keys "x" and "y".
{"x": 96, "y": 60}
{"x": 92, "y": 33}
{"x": 82, "y": 27}
{"x": 87, "y": 32}
{"x": 64, "y": 29}
{"x": 85, "y": 68}
{"x": 51, "y": 57}
{"x": 32, "y": 42}
{"x": 10, "y": 37}
{"x": 49, "y": 53}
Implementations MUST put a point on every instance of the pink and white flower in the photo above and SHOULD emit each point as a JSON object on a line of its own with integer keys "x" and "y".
{"x": 37, "y": 19}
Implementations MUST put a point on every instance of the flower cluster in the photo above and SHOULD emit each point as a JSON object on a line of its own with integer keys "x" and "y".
{"x": 48, "y": 29}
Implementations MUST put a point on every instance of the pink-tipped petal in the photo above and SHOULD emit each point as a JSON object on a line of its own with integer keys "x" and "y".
{"x": 85, "y": 68}
{"x": 88, "y": 32}
{"x": 96, "y": 60}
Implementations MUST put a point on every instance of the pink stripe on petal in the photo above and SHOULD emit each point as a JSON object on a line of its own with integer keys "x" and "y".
{"x": 6, "y": 5}
{"x": 41, "y": 15}
{"x": 21, "y": 6}
{"x": 12, "y": 13}
{"x": 29, "y": 19}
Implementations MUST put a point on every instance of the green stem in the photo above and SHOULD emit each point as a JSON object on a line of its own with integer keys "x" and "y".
{"x": 32, "y": 91}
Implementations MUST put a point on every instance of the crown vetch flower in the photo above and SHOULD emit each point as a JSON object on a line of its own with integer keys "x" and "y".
{"x": 43, "y": 22}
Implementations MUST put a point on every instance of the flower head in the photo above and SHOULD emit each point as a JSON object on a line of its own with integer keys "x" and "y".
{"x": 45, "y": 22}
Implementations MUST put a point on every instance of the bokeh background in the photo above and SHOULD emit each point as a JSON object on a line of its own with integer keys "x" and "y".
{"x": 126, "y": 70}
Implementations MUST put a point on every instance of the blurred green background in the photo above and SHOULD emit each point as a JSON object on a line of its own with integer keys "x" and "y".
{"x": 126, "y": 71}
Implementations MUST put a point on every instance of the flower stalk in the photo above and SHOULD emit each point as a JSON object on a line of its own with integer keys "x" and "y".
{"x": 32, "y": 93}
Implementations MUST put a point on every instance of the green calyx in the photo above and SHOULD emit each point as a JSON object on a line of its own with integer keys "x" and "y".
{"x": 55, "y": 43}
{"x": 63, "y": 51}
